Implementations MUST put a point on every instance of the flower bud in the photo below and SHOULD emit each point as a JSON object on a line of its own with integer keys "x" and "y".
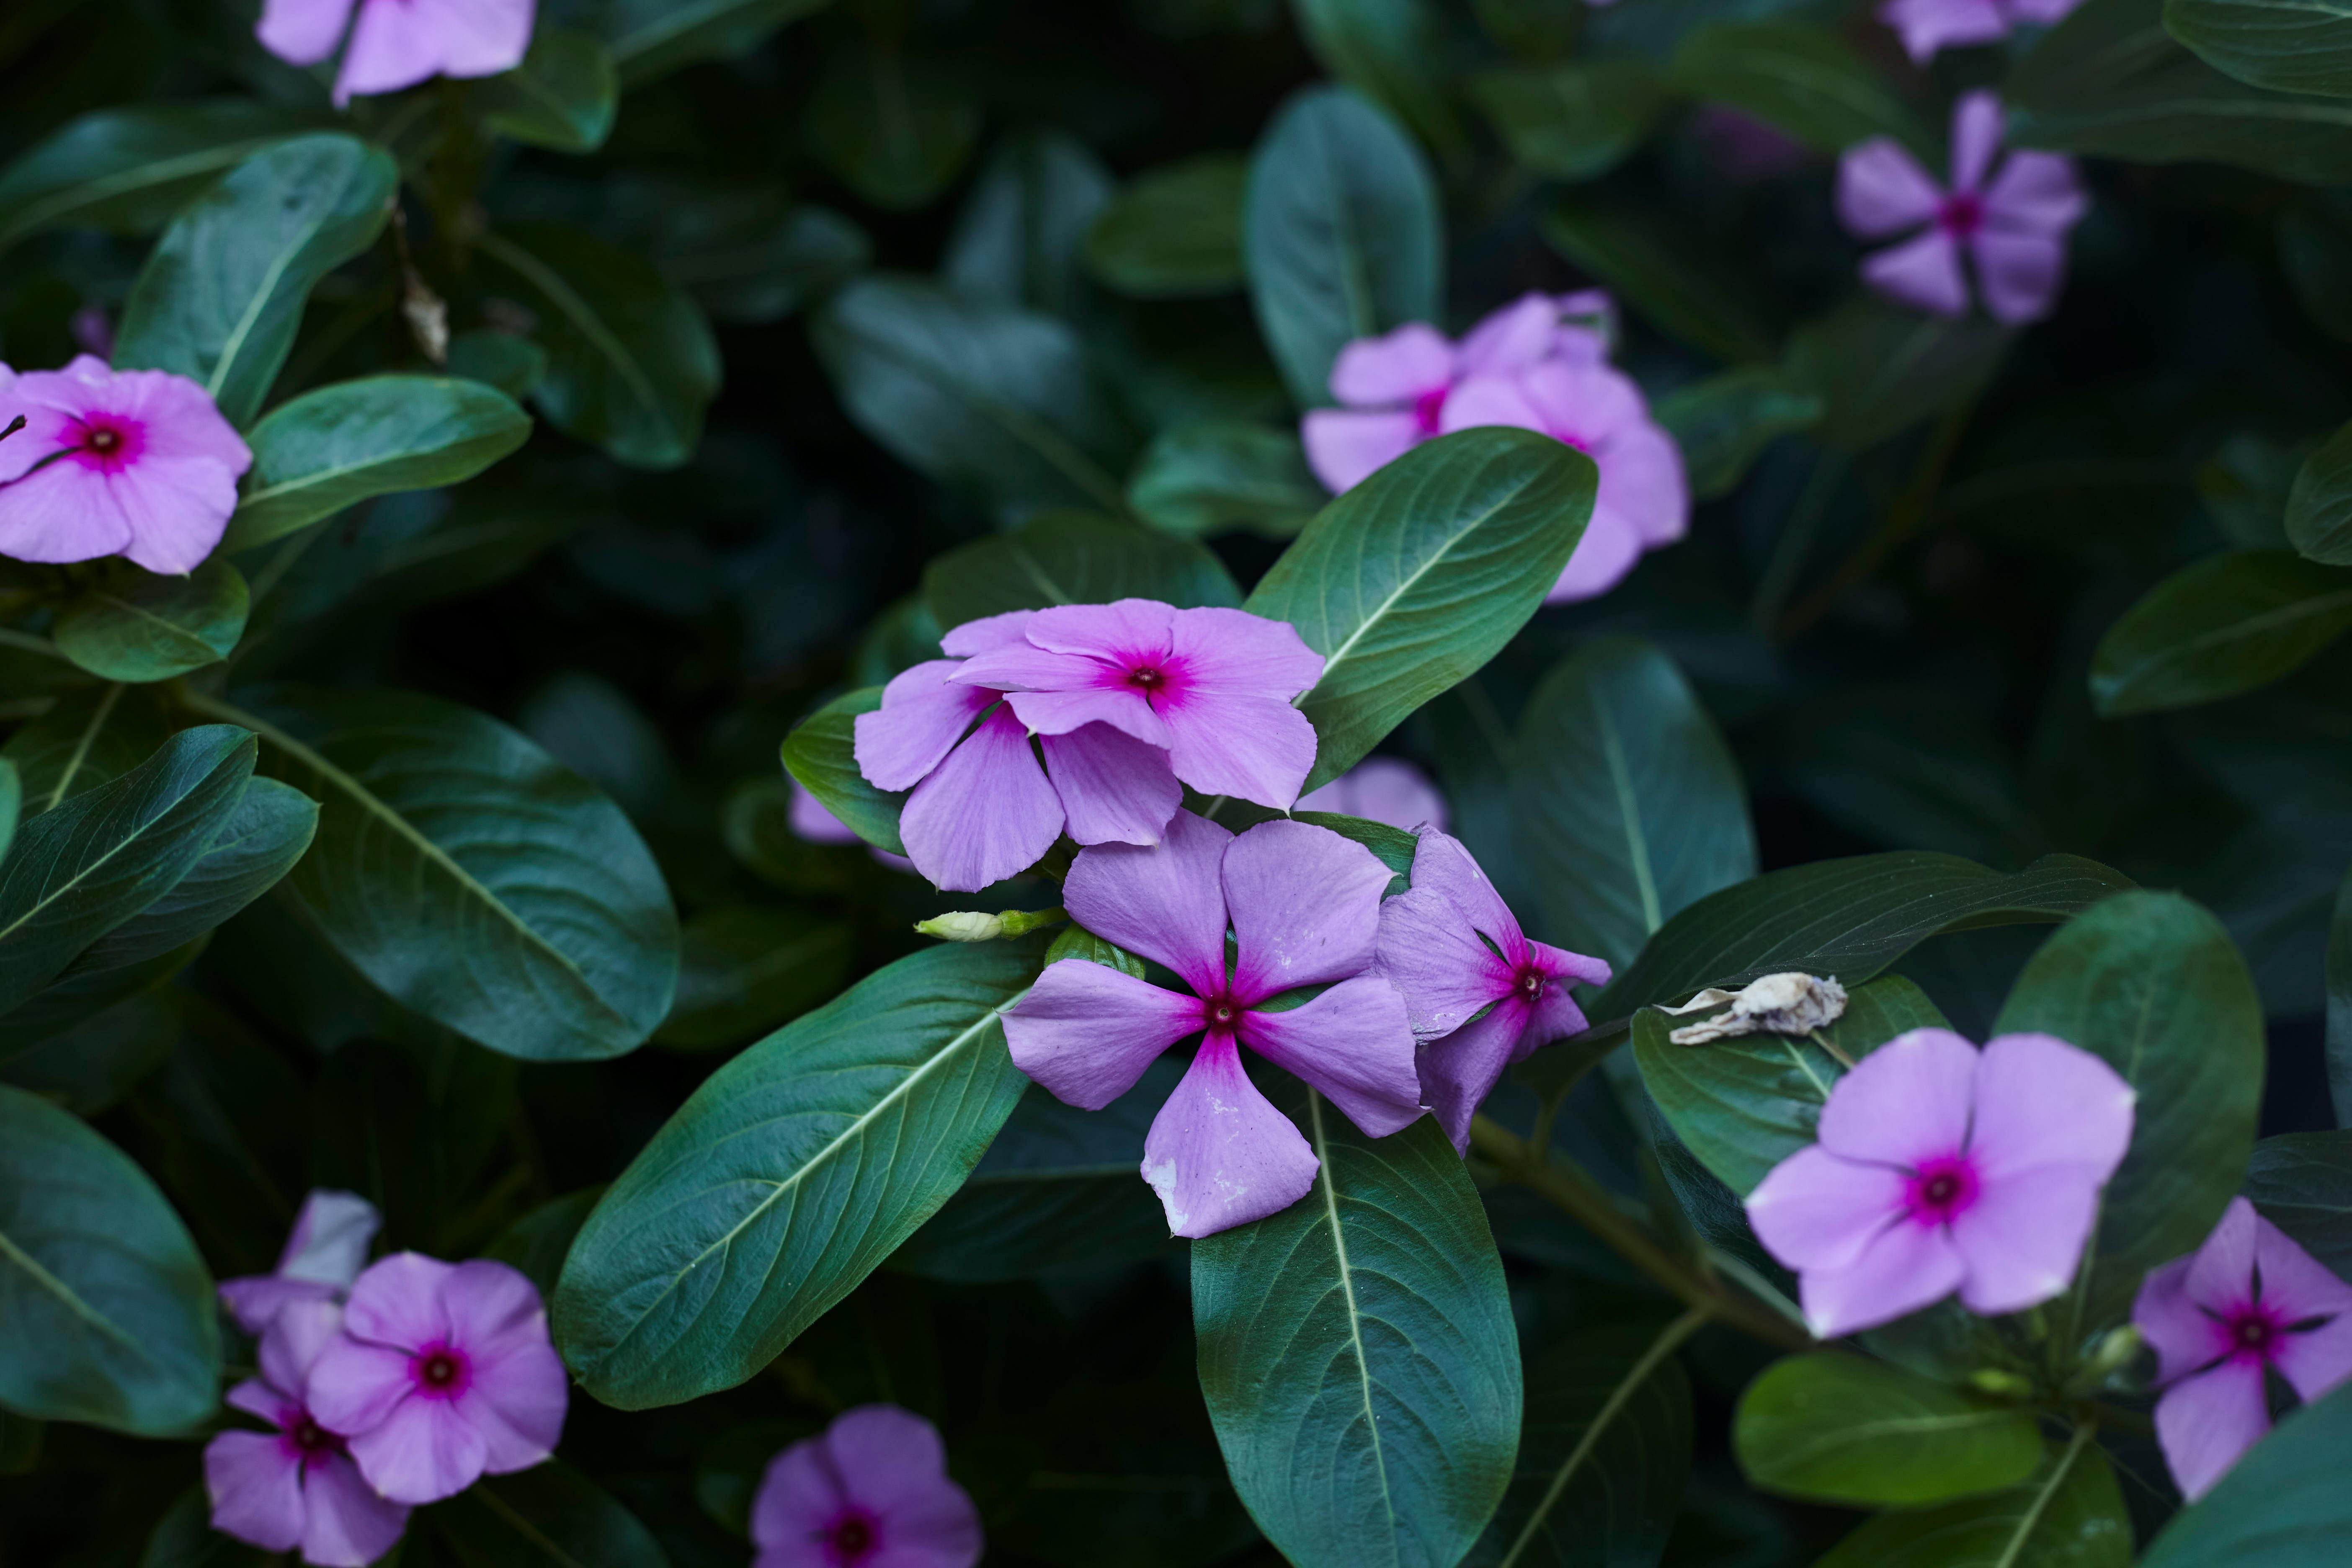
{"x": 968, "y": 925}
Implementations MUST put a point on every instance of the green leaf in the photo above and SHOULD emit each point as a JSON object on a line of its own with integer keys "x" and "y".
{"x": 1059, "y": 1189}
{"x": 1879, "y": 369}
{"x": 83, "y": 992}
{"x": 993, "y": 401}
{"x": 1359, "y": 1357}
{"x": 2302, "y": 1183}
{"x": 1744, "y": 1104}
{"x": 564, "y": 95}
{"x": 1213, "y": 475}
{"x": 1340, "y": 234}
{"x": 650, "y": 38}
{"x": 1018, "y": 238}
{"x": 1391, "y": 52}
{"x": 1833, "y": 1427}
{"x": 2070, "y": 1515}
{"x": 1625, "y": 802}
{"x": 128, "y": 170}
{"x": 2108, "y": 81}
{"x": 12, "y": 803}
{"x": 2319, "y": 507}
{"x": 820, "y": 752}
{"x": 470, "y": 875}
{"x": 2224, "y": 625}
{"x": 756, "y": 263}
{"x": 1573, "y": 121}
{"x": 2315, "y": 251}
{"x": 550, "y": 1515}
{"x": 2291, "y": 46}
{"x": 1671, "y": 277}
{"x": 1418, "y": 575}
{"x": 134, "y": 625}
{"x": 89, "y": 1067}
{"x": 1724, "y": 423}
{"x": 109, "y": 1312}
{"x": 790, "y": 1175}
{"x": 221, "y": 298}
{"x": 184, "y": 1538}
{"x": 343, "y": 444}
{"x": 1174, "y": 232}
{"x": 535, "y": 1246}
{"x": 82, "y": 869}
{"x": 1801, "y": 79}
{"x": 2151, "y": 983}
{"x": 513, "y": 365}
{"x": 743, "y": 970}
{"x": 631, "y": 363}
{"x": 1603, "y": 1455}
{"x": 1073, "y": 558}
{"x": 2339, "y": 1003}
{"x": 2283, "y": 1505}
{"x": 1850, "y": 918}
{"x": 895, "y": 131}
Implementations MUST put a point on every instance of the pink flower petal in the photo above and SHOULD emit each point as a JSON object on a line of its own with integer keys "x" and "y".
{"x": 923, "y": 715}
{"x": 2020, "y": 273}
{"x": 1256, "y": 749}
{"x": 330, "y": 1238}
{"x": 255, "y": 1299}
{"x": 1489, "y": 400}
{"x": 1353, "y": 1044}
{"x": 2221, "y": 1274}
{"x": 424, "y": 1451}
{"x": 517, "y": 1402}
{"x": 2035, "y": 193}
{"x": 295, "y": 1340}
{"x": 811, "y": 819}
{"x": 1306, "y": 906}
{"x": 1927, "y": 26}
{"x": 1381, "y": 789}
{"x": 986, "y": 634}
{"x": 1086, "y": 1031}
{"x": 798, "y": 1496}
{"x": 255, "y": 1397}
{"x": 1976, "y": 137}
{"x": 1905, "y": 1102}
{"x": 182, "y": 422}
{"x": 1641, "y": 480}
{"x": 2042, "y": 1103}
{"x": 1345, "y": 448}
{"x": 1882, "y": 190}
{"x": 1219, "y": 1155}
{"x": 1521, "y": 334}
{"x": 1814, "y": 1211}
{"x": 2182, "y": 1335}
{"x": 1117, "y": 633}
{"x": 2296, "y": 1285}
{"x": 892, "y": 1461}
{"x": 1396, "y": 367}
{"x": 392, "y": 48}
{"x": 177, "y": 508}
{"x": 1585, "y": 405}
{"x": 1167, "y": 903}
{"x": 2206, "y": 1422}
{"x": 1442, "y": 865}
{"x": 985, "y": 813}
{"x": 1113, "y": 788}
{"x": 348, "y": 1525}
{"x": 1428, "y": 949}
{"x": 1924, "y": 273}
{"x": 302, "y": 32}
{"x": 1458, "y": 1071}
{"x": 397, "y": 1302}
{"x": 1556, "y": 1015}
{"x": 61, "y": 513}
{"x": 355, "y": 1386}
{"x": 1903, "y": 1267}
{"x": 1610, "y": 548}
{"x": 1124, "y": 708}
{"x": 477, "y": 38}
{"x": 256, "y": 1488}
{"x": 1232, "y": 652}
{"x": 2024, "y": 1237}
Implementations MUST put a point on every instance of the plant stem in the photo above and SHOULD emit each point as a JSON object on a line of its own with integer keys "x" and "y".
{"x": 1582, "y": 1200}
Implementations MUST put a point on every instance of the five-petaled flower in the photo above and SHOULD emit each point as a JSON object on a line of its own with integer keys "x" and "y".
{"x": 296, "y": 1488}
{"x": 2012, "y": 226}
{"x": 2245, "y": 1304}
{"x": 324, "y": 1253}
{"x": 872, "y": 1491}
{"x": 1927, "y": 26}
{"x": 398, "y": 43}
{"x": 1942, "y": 1168}
{"x": 1304, "y": 906}
{"x": 444, "y": 1373}
{"x": 137, "y": 463}
{"x": 1480, "y": 994}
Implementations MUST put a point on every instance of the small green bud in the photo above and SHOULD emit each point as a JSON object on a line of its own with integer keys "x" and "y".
{"x": 2117, "y": 1350}
{"x": 2001, "y": 1385}
{"x": 967, "y": 925}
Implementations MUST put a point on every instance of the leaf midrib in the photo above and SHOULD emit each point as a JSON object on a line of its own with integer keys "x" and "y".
{"x": 37, "y": 213}
{"x": 235, "y": 344}
{"x": 80, "y": 1308}
{"x": 1323, "y": 1179}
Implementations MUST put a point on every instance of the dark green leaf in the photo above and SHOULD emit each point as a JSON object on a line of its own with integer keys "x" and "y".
{"x": 2285, "y": 1505}
{"x": 2315, "y": 251}
{"x": 2302, "y": 1183}
{"x": 563, "y": 95}
{"x": 790, "y": 1175}
{"x": 513, "y": 365}
{"x": 1174, "y": 232}
{"x": 83, "y": 992}
{"x": 1801, "y": 79}
{"x": 221, "y": 298}
{"x": 2228, "y": 623}
{"x": 821, "y": 753}
{"x": 2319, "y": 507}
{"x": 1017, "y": 241}
{"x": 650, "y": 38}
{"x": 1392, "y": 52}
{"x": 550, "y": 1515}
{"x": 1672, "y": 279}
{"x": 184, "y": 1538}
{"x": 109, "y": 1312}
{"x": 1833, "y": 1427}
{"x": 1213, "y": 475}
{"x": 535, "y": 1246}
{"x": 743, "y": 970}
{"x": 2152, "y": 984}
{"x": 1879, "y": 369}
{"x": 630, "y": 362}
{"x": 760, "y": 263}
{"x": 2339, "y": 1003}
{"x": 895, "y": 131}
{"x": 128, "y": 170}
{"x": 1573, "y": 121}
{"x": 134, "y": 625}
{"x": 994, "y": 400}
{"x": 1418, "y": 575}
{"x": 12, "y": 803}
{"x": 2070, "y": 1515}
{"x": 1359, "y": 1357}
{"x": 1340, "y": 234}
{"x": 2292, "y": 45}
{"x": 472, "y": 878}
{"x": 1724, "y": 423}
{"x": 80, "y": 869}
{"x": 88, "y": 1068}
{"x": 1073, "y": 558}
{"x": 1625, "y": 802}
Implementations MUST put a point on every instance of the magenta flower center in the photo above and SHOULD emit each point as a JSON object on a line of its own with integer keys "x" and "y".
{"x": 440, "y": 1372}
{"x": 305, "y": 1440}
{"x": 1427, "y": 407}
{"x": 1961, "y": 214}
{"x": 1219, "y": 1012}
{"x": 1941, "y": 1190}
{"x": 1158, "y": 678}
{"x": 2253, "y": 1332}
{"x": 852, "y": 1537}
{"x": 106, "y": 442}
{"x": 1531, "y": 982}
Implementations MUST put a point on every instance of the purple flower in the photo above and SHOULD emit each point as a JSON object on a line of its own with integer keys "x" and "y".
{"x": 444, "y": 1373}
{"x": 1211, "y": 690}
{"x": 983, "y": 808}
{"x": 1304, "y": 904}
{"x": 1927, "y": 26}
{"x": 295, "y": 1487}
{"x": 1381, "y": 789}
{"x": 1942, "y": 1168}
{"x": 135, "y": 463}
{"x": 398, "y": 43}
{"x": 1479, "y": 993}
{"x": 2013, "y": 228}
{"x": 325, "y": 1252}
{"x": 2247, "y": 1303}
{"x": 871, "y": 1492}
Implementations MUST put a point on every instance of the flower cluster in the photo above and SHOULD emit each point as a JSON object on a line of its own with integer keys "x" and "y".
{"x": 1542, "y": 364}
{"x": 398, "y": 43}
{"x": 390, "y": 1385}
{"x": 871, "y": 1492}
{"x": 1126, "y": 702}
